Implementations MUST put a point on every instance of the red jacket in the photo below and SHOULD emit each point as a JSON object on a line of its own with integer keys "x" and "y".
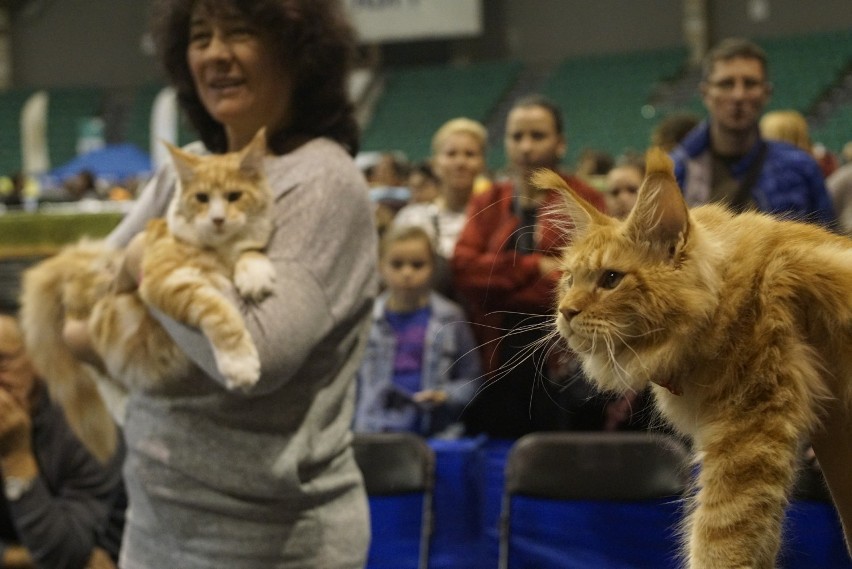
{"x": 491, "y": 277}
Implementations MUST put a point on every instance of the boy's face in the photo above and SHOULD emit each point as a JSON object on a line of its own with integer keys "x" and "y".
{"x": 407, "y": 267}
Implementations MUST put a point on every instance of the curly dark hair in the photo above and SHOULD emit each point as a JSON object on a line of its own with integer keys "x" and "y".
{"x": 312, "y": 39}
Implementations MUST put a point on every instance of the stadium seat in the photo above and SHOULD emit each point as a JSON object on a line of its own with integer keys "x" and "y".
{"x": 399, "y": 473}
{"x": 592, "y": 501}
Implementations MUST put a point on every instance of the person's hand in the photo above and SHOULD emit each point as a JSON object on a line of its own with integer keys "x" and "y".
{"x": 100, "y": 559}
{"x": 15, "y": 427}
{"x": 430, "y": 396}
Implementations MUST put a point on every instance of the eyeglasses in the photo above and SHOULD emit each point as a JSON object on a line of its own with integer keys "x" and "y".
{"x": 8, "y": 359}
{"x": 728, "y": 85}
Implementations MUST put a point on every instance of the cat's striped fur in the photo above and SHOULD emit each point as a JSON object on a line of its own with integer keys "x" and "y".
{"x": 743, "y": 325}
{"x": 210, "y": 243}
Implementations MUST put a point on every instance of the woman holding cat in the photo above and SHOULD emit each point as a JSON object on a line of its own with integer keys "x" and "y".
{"x": 263, "y": 477}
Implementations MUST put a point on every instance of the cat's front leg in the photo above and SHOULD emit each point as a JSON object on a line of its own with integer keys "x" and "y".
{"x": 747, "y": 469}
{"x": 239, "y": 364}
{"x": 254, "y": 276}
{"x": 188, "y": 297}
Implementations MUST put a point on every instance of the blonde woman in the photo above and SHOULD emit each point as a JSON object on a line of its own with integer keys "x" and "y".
{"x": 458, "y": 160}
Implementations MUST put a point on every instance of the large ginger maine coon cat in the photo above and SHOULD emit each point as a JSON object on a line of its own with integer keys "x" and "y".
{"x": 743, "y": 326}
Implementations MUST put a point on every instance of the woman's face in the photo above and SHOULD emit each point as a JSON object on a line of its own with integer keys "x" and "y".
{"x": 532, "y": 140}
{"x": 458, "y": 162}
{"x": 236, "y": 76}
{"x": 622, "y": 187}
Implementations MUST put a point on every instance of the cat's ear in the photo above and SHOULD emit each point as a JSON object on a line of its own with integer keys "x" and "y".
{"x": 582, "y": 213}
{"x": 184, "y": 162}
{"x": 660, "y": 215}
{"x": 251, "y": 157}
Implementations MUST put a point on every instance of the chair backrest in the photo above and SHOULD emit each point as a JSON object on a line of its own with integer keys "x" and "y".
{"x": 395, "y": 466}
{"x": 813, "y": 535}
{"x": 566, "y": 493}
{"x": 394, "y": 463}
{"x": 624, "y": 466}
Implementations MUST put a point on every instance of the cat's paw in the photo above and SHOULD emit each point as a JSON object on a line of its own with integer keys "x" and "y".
{"x": 254, "y": 277}
{"x": 240, "y": 367}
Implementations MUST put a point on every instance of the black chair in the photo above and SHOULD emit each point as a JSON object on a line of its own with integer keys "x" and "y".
{"x": 813, "y": 536}
{"x": 396, "y": 464}
{"x": 582, "y": 479}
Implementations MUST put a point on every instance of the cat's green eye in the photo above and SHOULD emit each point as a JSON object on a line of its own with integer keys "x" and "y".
{"x": 610, "y": 279}
{"x": 202, "y": 198}
{"x": 233, "y": 196}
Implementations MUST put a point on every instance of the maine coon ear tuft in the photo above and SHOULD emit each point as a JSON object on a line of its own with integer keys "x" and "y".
{"x": 582, "y": 213}
{"x": 660, "y": 215}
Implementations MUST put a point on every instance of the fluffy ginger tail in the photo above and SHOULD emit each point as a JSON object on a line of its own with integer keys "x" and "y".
{"x": 71, "y": 383}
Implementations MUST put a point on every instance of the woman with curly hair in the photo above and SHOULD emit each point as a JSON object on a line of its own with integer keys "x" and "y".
{"x": 266, "y": 477}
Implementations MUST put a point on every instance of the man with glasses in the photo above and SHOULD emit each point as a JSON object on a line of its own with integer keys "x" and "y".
{"x": 724, "y": 158}
{"x": 60, "y": 506}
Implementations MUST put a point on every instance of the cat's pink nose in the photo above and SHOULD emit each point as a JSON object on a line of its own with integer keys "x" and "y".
{"x": 568, "y": 312}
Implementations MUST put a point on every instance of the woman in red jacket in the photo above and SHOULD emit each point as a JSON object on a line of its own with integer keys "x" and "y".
{"x": 505, "y": 268}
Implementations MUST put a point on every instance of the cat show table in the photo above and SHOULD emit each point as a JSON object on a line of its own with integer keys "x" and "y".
{"x": 27, "y": 237}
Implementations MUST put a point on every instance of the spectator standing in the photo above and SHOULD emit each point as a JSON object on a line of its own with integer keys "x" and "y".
{"x": 506, "y": 269}
{"x": 725, "y": 158}
{"x": 622, "y": 185}
{"x": 672, "y": 129}
{"x": 458, "y": 158}
{"x": 424, "y": 184}
{"x": 840, "y": 188}
{"x": 421, "y": 367}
